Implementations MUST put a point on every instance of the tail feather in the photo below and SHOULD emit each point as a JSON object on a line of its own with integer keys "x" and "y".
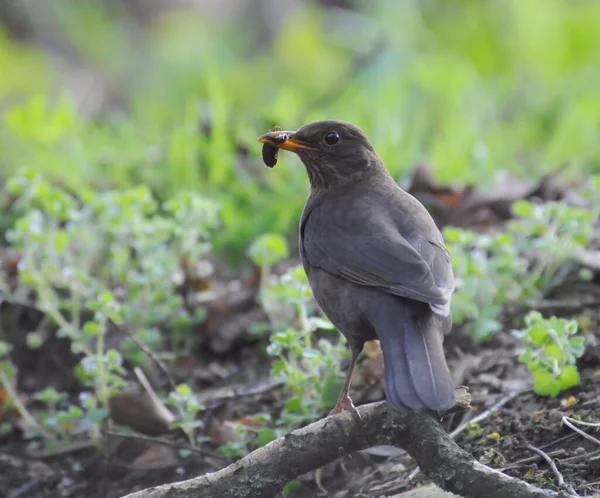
{"x": 416, "y": 372}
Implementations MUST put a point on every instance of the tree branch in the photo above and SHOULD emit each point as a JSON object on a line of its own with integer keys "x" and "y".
{"x": 265, "y": 471}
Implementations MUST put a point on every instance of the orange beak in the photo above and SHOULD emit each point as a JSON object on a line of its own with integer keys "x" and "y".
{"x": 284, "y": 140}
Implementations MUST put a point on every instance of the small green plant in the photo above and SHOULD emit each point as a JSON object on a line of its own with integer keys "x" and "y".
{"x": 309, "y": 364}
{"x": 106, "y": 260}
{"x": 266, "y": 251}
{"x": 550, "y": 234}
{"x": 552, "y": 347}
{"x": 536, "y": 253}
{"x": 60, "y": 421}
{"x": 187, "y": 407}
{"x": 488, "y": 270}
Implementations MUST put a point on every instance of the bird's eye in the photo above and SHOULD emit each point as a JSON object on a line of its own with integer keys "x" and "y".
{"x": 331, "y": 138}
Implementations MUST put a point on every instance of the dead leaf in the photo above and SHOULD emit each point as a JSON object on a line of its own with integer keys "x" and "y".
{"x": 223, "y": 432}
{"x": 156, "y": 456}
{"x": 139, "y": 411}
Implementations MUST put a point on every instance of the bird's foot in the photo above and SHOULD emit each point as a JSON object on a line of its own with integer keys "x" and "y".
{"x": 345, "y": 403}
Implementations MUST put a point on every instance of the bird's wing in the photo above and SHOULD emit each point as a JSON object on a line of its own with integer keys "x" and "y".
{"x": 377, "y": 254}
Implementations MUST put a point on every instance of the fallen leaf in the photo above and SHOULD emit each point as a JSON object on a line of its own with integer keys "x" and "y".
{"x": 156, "y": 456}
{"x": 140, "y": 412}
{"x": 223, "y": 432}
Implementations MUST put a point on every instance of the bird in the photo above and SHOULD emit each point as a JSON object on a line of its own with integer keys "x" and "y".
{"x": 376, "y": 263}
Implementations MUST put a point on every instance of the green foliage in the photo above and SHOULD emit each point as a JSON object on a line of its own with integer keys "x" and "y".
{"x": 184, "y": 400}
{"x": 107, "y": 259}
{"x": 551, "y": 234}
{"x": 535, "y": 254}
{"x": 552, "y": 347}
{"x": 268, "y": 249}
{"x": 291, "y": 487}
{"x": 309, "y": 365}
{"x": 440, "y": 87}
{"x": 487, "y": 270}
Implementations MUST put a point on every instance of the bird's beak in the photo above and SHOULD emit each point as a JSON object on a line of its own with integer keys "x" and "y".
{"x": 284, "y": 140}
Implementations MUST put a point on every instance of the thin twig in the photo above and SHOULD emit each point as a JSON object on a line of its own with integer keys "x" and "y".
{"x": 26, "y": 415}
{"x": 583, "y": 456}
{"x": 148, "y": 352}
{"x": 484, "y": 415}
{"x": 559, "y": 477}
{"x": 554, "y": 442}
{"x": 532, "y": 459}
{"x": 71, "y": 448}
{"x": 567, "y": 421}
{"x": 587, "y": 424}
{"x": 159, "y": 406}
{"x": 170, "y": 444}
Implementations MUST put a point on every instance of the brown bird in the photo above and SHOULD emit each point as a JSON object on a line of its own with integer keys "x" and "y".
{"x": 376, "y": 262}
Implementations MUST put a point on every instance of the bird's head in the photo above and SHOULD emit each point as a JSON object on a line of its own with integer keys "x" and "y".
{"x": 334, "y": 152}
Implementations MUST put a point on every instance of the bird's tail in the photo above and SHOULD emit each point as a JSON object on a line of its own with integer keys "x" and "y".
{"x": 416, "y": 372}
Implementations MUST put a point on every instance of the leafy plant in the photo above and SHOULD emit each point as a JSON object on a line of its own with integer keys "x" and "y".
{"x": 552, "y": 347}
{"x": 106, "y": 260}
{"x": 191, "y": 120}
{"x": 187, "y": 407}
{"x": 309, "y": 364}
{"x": 550, "y": 234}
{"x": 488, "y": 270}
{"x": 535, "y": 253}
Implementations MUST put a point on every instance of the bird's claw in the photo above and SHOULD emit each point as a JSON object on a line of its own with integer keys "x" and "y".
{"x": 345, "y": 403}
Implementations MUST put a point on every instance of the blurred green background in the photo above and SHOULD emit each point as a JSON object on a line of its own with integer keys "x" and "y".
{"x": 173, "y": 94}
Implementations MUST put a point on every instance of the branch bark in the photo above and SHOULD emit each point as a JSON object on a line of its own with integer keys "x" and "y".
{"x": 264, "y": 472}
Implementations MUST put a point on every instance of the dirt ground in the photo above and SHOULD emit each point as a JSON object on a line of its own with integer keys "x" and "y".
{"x": 500, "y": 440}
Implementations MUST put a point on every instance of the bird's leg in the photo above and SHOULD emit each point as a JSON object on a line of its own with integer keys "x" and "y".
{"x": 344, "y": 402}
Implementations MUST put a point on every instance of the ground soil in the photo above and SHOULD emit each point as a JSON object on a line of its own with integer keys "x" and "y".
{"x": 500, "y": 440}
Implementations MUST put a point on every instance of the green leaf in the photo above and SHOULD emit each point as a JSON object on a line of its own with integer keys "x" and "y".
{"x": 268, "y": 250}
{"x": 545, "y": 384}
{"x": 310, "y": 353}
{"x": 538, "y": 334}
{"x": 34, "y": 340}
{"x": 569, "y": 377}
{"x": 523, "y": 209}
{"x": 553, "y": 351}
{"x": 316, "y": 323}
{"x": 279, "y": 367}
{"x": 49, "y": 396}
{"x": 294, "y": 405}
{"x": 485, "y": 328}
{"x": 184, "y": 390}
{"x": 5, "y": 348}
{"x": 265, "y": 436}
{"x": 331, "y": 390}
{"x": 106, "y": 297}
{"x": 97, "y": 415}
{"x": 92, "y": 328}
{"x": 61, "y": 240}
{"x": 290, "y": 488}
{"x": 577, "y": 346}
